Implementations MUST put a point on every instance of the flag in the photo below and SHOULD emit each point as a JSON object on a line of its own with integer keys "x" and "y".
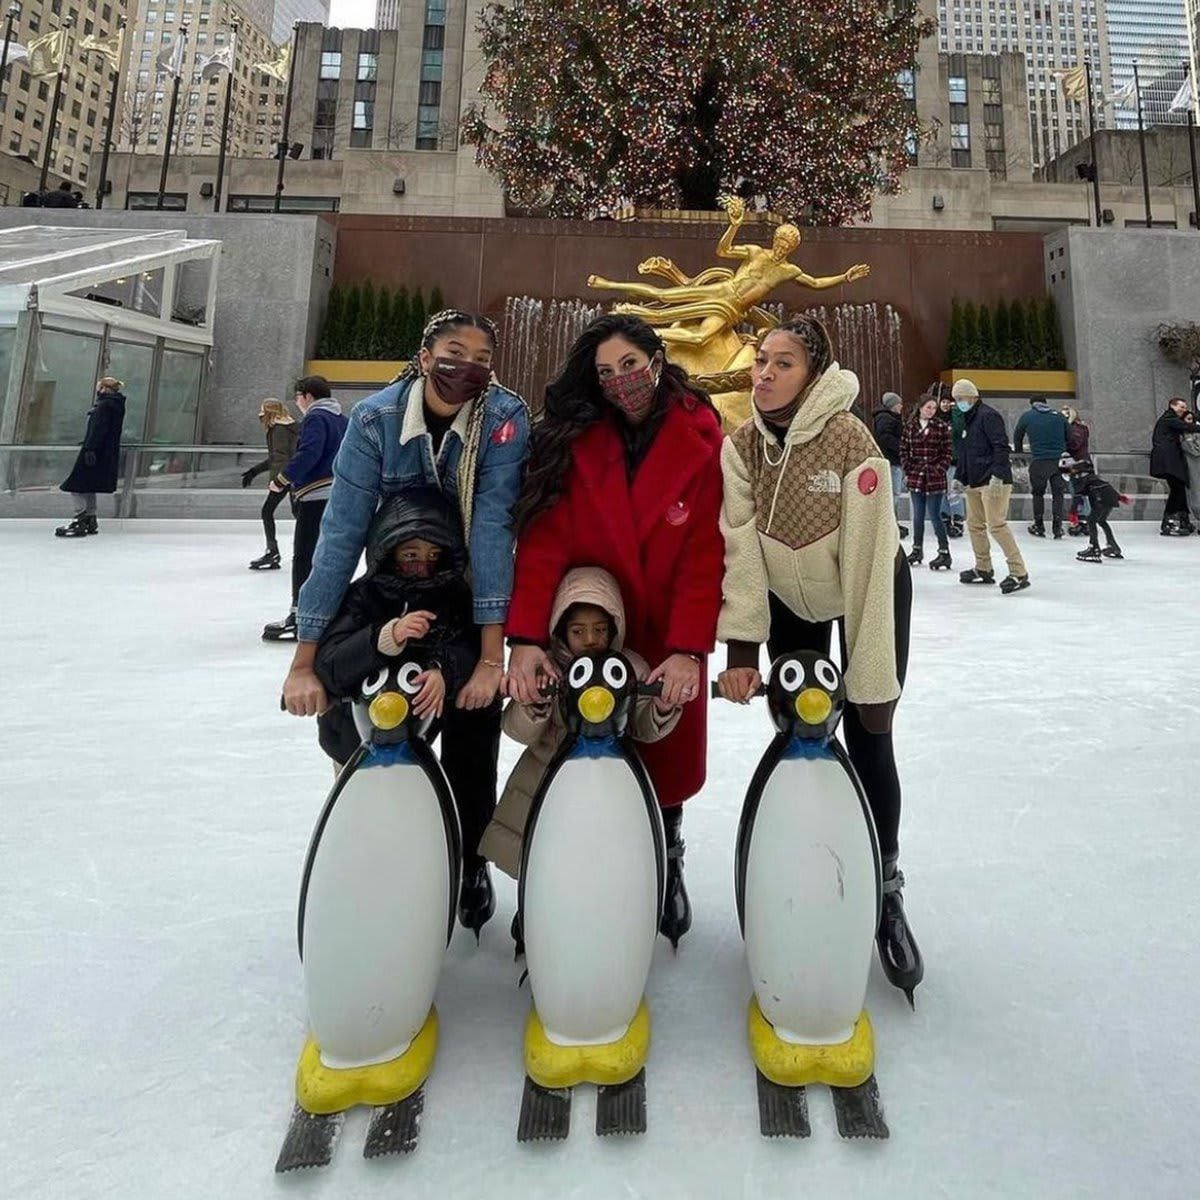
{"x": 1073, "y": 81}
{"x": 277, "y": 68}
{"x": 220, "y": 60}
{"x": 170, "y": 58}
{"x": 107, "y": 47}
{"x": 1124, "y": 97}
{"x": 16, "y": 52}
{"x": 48, "y": 54}
{"x": 1183, "y": 98}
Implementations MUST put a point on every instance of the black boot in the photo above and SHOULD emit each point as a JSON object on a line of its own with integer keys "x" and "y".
{"x": 91, "y": 525}
{"x": 268, "y": 562}
{"x": 476, "y": 901}
{"x": 77, "y": 528}
{"x": 281, "y": 631}
{"x": 943, "y": 562}
{"x": 1057, "y": 530}
{"x": 677, "y": 908}
{"x": 1038, "y": 529}
{"x": 898, "y": 951}
{"x": 916, "y": 556}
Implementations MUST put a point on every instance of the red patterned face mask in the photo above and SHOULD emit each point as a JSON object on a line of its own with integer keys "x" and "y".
{"x": 634, "y": 392}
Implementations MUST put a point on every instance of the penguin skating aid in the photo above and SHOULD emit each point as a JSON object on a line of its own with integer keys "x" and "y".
{"x": 377, "y": 907}
{"x": 592, "y": 880}
{"x": 808, "y": 884}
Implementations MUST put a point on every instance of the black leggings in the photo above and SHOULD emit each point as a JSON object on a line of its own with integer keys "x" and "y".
{"x": 270, "y": 504}
{"x": 304, "y": 543}
{"x": 1177, "y": 505}
{"x": 470, "y": 747}
{"x": 1097, "y": 520}
{"x": 872, "y": 754}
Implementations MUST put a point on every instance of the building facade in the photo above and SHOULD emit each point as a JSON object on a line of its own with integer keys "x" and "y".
{"x": 1153, "y": 34}
{"x": 25, "y": 102}
{"x": 290, "y": 13}
{"x": 1051, "y": 34}
{"x": 209, "y": 27}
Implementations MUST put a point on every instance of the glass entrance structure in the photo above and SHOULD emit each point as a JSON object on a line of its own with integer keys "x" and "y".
{"x": 80, "y": 304}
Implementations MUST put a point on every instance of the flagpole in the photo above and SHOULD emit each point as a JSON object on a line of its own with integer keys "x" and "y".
{"x": 112, "y": 113}
{"x": 166, "y": 162}
{"x": 14, "y": 11}
{"x": 287, "y": 118}
{"x": 62, "y": 70}
{"x": 235, "y": 24}
{"x": 1087, "y": 68}
{"x": 1137, "y": 87}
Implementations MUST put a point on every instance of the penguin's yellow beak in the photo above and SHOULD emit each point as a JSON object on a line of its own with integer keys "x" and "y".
{"x": 813, "y": 706}
{"x": 596, "y": 705}
{"x": 388, "y": 710}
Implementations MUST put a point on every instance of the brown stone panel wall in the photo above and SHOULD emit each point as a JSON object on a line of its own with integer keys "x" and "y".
{"x": 479, "y": 263}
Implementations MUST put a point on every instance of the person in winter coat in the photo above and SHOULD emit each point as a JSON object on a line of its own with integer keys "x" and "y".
{"x": 588, "y": 617}
{"x": 447, "y": 424}
{"x": 1078, "y": 444}
{"x": 413, "y": 600}
{"x": 99, "y": 460}
{"x": 985, "y": 470}
{"x": 889, "y": 430}
{"x": 954, "y": 505}
{"x": 925, "y": 453}
{"x": 1168, "y": 464}
{"x": 1047, "y": 433}
{"x": 1102, "y": 499}
{"x": 810, "y": 540}
{"x": 309, "y": 476}
{"x": 1190, "y": 442}
{"x": 625, "y": 474}
{"x": 281, "y": 433}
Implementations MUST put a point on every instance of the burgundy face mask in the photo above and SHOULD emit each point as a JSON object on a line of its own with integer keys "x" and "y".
{"x": 416, "y": 570}
{"x": 458, "y": 382}
{"x": 633, "y": 393}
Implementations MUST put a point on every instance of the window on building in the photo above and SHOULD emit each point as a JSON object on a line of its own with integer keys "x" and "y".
{"x": 326, "y": 116}
{"x": 331, "y": 64}
{"x": 435, "y": 37}
{"x": 991, "y": 91}
{"x": 907, "y": 79}
{"x": 43, "y": 90}
{"x": 368, "y": 66}
{"x": 958, "y": 89}
{"x": 960, "y": 136}
{"x": 431, "y": 92}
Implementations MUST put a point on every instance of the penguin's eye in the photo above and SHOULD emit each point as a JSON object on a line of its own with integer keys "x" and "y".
{"x": 374, "y": 685}
{"x": 406, "y": 676}
{"x": 791, "y": 675}
{"x": 827, "y": 676}
{"x": 615, "y": 673}
{"x": 581, "y": 672}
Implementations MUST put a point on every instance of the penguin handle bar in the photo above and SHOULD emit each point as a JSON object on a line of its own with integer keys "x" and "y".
{"x": 549, "y": 689}
{"x": 715, "y": 691}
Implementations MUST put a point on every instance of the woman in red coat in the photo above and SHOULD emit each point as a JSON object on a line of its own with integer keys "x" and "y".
{"x": 625, "y": 474}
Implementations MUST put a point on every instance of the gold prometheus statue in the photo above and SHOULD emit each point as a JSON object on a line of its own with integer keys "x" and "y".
{"x": 699, "y": 318}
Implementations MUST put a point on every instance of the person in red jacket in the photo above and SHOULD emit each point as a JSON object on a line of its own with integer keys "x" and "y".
{"x": 926, "y": 452}
{"x": 625, "y": 474}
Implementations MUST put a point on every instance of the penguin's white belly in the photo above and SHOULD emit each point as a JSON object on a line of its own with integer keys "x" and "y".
{"x": 375, "y": 916}
{"x": 590, "y": 902}
{"x": 810, "y": 902}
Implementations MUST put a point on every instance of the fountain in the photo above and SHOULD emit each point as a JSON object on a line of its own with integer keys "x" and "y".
{"x": 534, "y": 339}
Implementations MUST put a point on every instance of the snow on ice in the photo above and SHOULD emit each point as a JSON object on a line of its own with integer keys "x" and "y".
{"x": 156, "y": 809}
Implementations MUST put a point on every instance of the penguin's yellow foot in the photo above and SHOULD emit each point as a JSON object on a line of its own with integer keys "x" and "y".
{"x": 322, "y": 1089}
{"x": 554, "y": 1066}
{"x": 842, "y": 1065}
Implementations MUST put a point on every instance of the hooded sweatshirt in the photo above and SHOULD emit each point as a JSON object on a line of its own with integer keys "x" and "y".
{"x": 811, "y": 520}
{"x": 540, "y": 727}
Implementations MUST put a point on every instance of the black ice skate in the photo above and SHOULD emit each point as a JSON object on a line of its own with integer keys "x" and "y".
{"x": 974, "y": 576}
{"x": 954, "y": 527}
{"x": 1091, "y": 554}
{"x": 1014, "y": 583}
{"x": 1038, "y": 529}
{"x": 1113, "y": 551}
{"x": 677, "y": 908}
{"x": 943, "y": 561}
{"x": 281, "y": 631}
{"x": 916, "y": 556}
{"x": 1057, "y": 530}
{"x": 267, "y": 562}
{"x": 81, "y": 526}
{"x": 476, "y": 901}
{"x": 1079, "y": 529}
{"x": 898, "y": 951}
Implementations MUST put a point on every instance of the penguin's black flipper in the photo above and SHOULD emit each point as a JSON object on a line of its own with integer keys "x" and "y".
{"x": 621, "y": 1107}
{"x": 545, "y": 1113}
{"x": 782, "y": 1111}
{"x": 394, "y": 1128}
{"x": 858, "y": 1112}
{"x": 310, "y": 1140}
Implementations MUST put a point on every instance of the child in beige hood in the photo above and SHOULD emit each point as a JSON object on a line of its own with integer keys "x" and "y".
{"x": 588, "y": 617}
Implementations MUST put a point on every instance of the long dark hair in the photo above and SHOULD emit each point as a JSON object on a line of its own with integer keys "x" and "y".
{"x": 575, "y": 402}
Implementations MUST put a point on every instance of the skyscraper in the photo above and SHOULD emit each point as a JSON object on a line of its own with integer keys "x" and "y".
{"x": 1154, "y": 34}
{"x": 1051, "y": 34}
{"x": 288, "y": 12}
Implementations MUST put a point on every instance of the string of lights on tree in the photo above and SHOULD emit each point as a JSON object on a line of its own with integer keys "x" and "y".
{"x": 589, "y": 105}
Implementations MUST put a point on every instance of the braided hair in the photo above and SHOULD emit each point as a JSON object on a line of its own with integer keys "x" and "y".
{"x": 812, "y": 333}
{"x": 437, "y": 327}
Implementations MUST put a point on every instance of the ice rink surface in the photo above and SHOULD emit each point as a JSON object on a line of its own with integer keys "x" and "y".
{"x": 156, "y": 808}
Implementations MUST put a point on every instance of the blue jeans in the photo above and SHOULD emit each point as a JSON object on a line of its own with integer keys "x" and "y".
{"x": 931, "y": 503}
{"x": 953, "y": 506}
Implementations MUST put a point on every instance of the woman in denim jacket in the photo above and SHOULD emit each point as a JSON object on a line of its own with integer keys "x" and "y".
{"x": 444, "y": 424}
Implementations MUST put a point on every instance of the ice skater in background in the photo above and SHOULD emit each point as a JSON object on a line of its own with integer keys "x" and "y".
{"x": 280, "y": 428}
{"x": 926, "y": 452}
{"x": 1102, "y": 499}
{"x": 99, "y": 461}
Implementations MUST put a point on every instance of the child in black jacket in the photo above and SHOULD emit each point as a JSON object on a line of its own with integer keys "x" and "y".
{"x": 1102, "y": 498}
{"x": 414, "y": 600}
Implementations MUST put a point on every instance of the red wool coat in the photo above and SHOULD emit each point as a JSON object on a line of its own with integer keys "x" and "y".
{"x": 659, "y": 536}
{"x": 925, "y": 456}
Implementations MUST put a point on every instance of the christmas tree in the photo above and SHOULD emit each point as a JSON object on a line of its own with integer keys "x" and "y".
{"x": 589, "y": 105}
